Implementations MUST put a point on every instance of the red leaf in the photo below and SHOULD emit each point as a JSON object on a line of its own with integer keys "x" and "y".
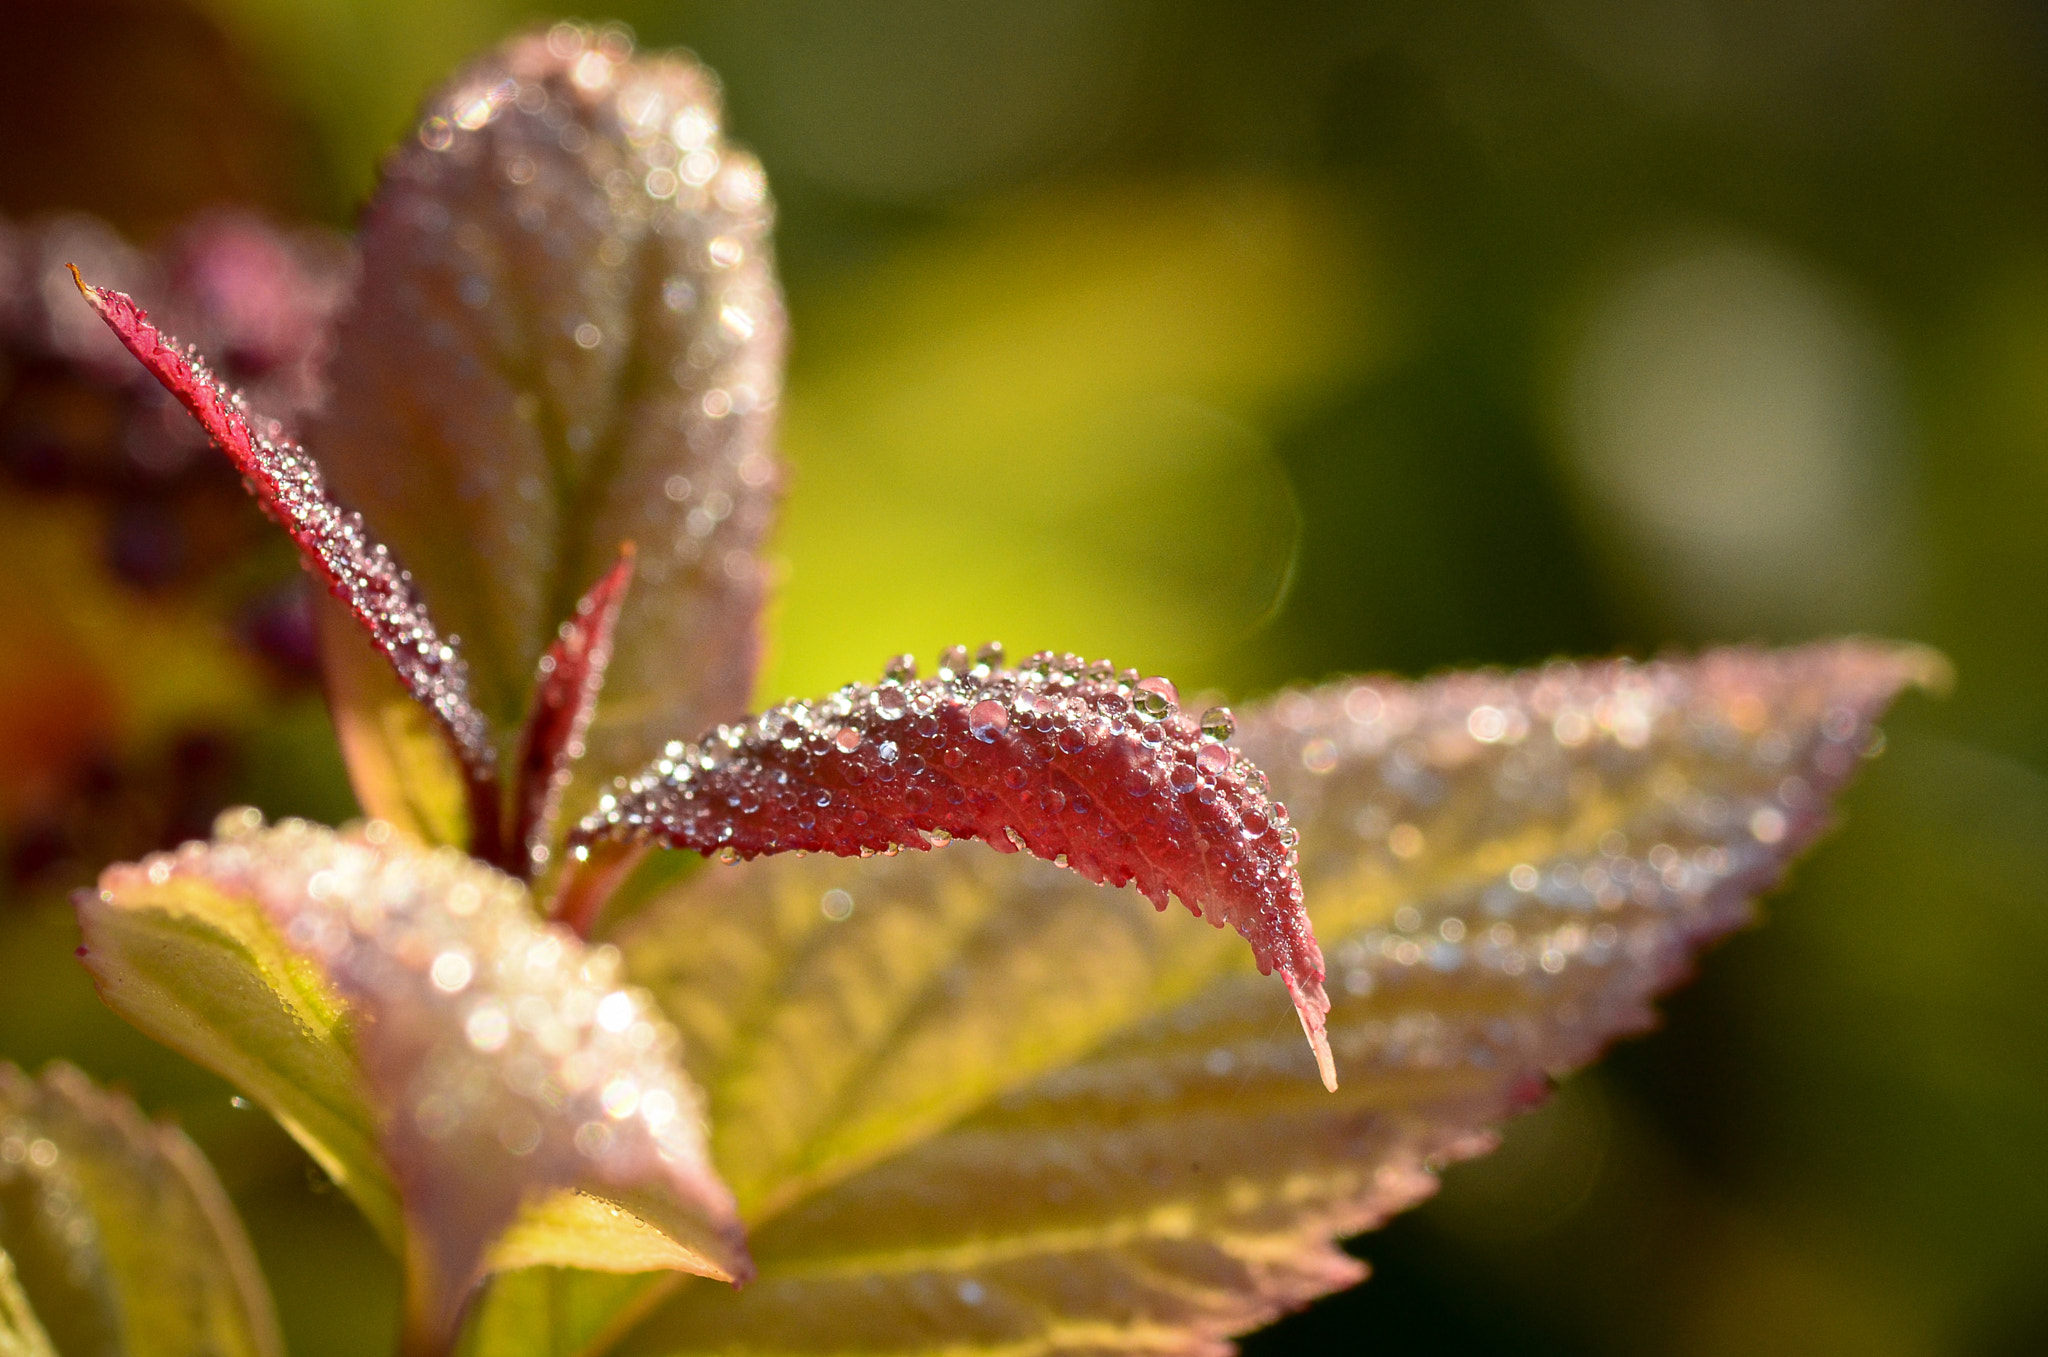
{"x": 333, "y": 542}
{"x": 1097, "y": 771}
{"x": 564, "y": 699}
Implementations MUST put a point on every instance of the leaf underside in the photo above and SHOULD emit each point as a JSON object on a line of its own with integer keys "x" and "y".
{"x": 969, "y": 1102}
{"x": 569, "y": 336}
{"x": 115, "y": 1234}
{"x": 1068, "y": 761}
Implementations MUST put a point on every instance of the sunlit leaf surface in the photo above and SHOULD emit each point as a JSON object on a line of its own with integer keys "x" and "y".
{"x": 21, "y": 1333}
{"x": 569, "y": 336}
{"x": 969, "y": 1102}
{"x": 399, "y": 766}
{"x": 120, "y": 1237}
{"x": 502, "y": 1062}
{"x": 1073, "y": 762}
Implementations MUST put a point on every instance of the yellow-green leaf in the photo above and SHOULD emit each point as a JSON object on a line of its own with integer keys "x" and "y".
{"x": 20, "y": 1333}
{"x": 399, "y": 761}
{"x": 970, "y": 1103}
{"x": 117, "y": 1233}
{"x": 205, "y": 972}
{"x": 453, "y": 1061}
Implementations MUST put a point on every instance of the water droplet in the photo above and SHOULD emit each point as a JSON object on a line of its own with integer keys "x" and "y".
{"x": 1212, "y": 759}
{"x": 1153, "y": 698}
{"x": 990, "y": 655}
{"x": 953, "y": 662}
{"x": 848, "y": 740}
{"x": 1181, "y": 778}
{"x": 987, "y": 719}
{"x": 900, "y": 669}
{"x": 1218, "y": 724}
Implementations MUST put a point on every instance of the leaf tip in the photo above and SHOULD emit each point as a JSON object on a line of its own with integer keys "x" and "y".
{"x": 1925, "y": 668}
{"x": 1312, "y": 1006}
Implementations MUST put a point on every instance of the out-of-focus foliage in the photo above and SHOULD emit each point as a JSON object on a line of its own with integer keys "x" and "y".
{"x": 114, "y": 1233}
{"x": 1409, "y": 335}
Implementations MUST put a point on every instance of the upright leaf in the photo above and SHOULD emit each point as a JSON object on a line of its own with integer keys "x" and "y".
{"x": 568, "y": 335}
{"x": 1121, "y": 1151}
{"x": 1096, "y": 771}
{"x": 119, "y": 1235}
{"x": 503, "y": 1063}
{"x": 564, "y": 702}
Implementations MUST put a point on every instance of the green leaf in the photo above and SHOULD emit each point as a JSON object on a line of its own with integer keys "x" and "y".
{"x": 116, "y": 1231}
{"x": 455, "y": 1063}
{"x": 568, "y": 336}
{"x": 968, "y": 1102}
{"x": 399, "y": 763}
{"x": 558, "y": 1312}
{"x": 204, "y": 971}
{"x": 20, "y": 1334}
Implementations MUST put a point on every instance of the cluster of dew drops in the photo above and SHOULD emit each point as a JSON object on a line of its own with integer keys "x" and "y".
{"x": 359, "y": 570}
{"x": 1071, "y": 703}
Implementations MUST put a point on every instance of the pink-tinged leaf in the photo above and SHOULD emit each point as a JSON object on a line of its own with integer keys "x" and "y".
{"x": 998, "y": 1149}
{"x": 564, "y": 699}
{"x": 569, "y": 335}
{"x": 1073, "y": 763}
{"x": 332, "y": 541}
{"x": 506, "y": 1061}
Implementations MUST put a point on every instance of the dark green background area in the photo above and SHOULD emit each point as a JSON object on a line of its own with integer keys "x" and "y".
{"x": 1585, "y": 326}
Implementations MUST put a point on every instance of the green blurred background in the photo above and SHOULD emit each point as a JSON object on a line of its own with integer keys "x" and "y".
{"x": 1255, "y": 343}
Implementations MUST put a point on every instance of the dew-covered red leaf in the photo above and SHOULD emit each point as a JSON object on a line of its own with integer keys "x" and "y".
{"x": 507, "y": 1061}
{"x": 334, "y": 542}
{"x": 564, "y": 699}
{"x": 569, "y": 335}
{"x": 1509, "y": 867}
{"x": 1068, "y": 761}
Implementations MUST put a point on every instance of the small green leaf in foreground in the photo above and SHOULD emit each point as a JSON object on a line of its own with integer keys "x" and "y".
{"x": 417, "y": 1026}
{"x": 115, "y": 1233}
